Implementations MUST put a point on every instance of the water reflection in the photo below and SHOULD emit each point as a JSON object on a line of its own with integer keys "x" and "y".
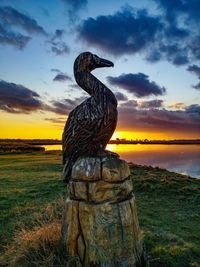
{"x": 183, "y": 159}
{"x": 52, "y": 147}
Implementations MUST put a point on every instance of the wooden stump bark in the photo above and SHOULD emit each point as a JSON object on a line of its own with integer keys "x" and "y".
{"x": 100, "y": 223}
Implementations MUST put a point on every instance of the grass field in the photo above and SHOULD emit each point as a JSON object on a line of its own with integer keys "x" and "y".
{"x": 31, "y": 199}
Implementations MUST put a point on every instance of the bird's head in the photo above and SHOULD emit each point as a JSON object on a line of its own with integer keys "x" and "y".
{"x": 87, "y": 62}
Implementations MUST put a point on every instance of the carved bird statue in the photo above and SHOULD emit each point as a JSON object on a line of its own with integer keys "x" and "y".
{"x": 91, "y": 124}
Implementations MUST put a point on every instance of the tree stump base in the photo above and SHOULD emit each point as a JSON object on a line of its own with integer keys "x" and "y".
{"x": 100, "y": 223}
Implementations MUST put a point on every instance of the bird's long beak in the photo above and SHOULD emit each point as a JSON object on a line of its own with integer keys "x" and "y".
{"x": 104, "y": 63}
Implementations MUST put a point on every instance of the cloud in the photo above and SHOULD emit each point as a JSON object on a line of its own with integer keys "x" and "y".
{"x": 61, "y": 77}
{"x": 176, "y": 52}
{"x": 120, "y": 96}
{"x": 15, "y": 98}
{"x": 12, "y": 17}
{"x": 56, "y": 70}
{"x": 130, "y": 104}
{"x": 75, "y": 86}
{"x": 75, "y": 4}
{"x": 194, "y": 46}
{"x": 156, "y": 103}
{"x": 58, "y": 47}
{"x": 158, "y": 38}
{"x": 73, "y": 7}
{"x": 176, "y": 8}
{"x": 181, "y": 19}
{"x": 17, "y": 40}
{"x": 194, "y": 109}
{"x": 151, "y": 104}
{"x": 63, "y": 107}
{"x": 160, "y": 119}
{"x": 45, "y": 11}
{"x": 178, "y": 105}
{"x": 137, "y": 84}
{"x": 125, "y": 32}
{"x": 196, "y": 86}
{"x": 58, "y": 34}
{"x": 196, "y": 70}
{"x": 56, "y": 120}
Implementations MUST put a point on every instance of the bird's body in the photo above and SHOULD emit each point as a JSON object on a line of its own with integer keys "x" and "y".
{"x": 90, "y": 125}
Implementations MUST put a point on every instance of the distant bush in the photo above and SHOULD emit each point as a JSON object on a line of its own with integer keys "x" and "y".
{"x": 9, "y": 147}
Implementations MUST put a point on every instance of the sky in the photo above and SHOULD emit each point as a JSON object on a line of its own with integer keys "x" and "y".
{"x": 155, "y": 48}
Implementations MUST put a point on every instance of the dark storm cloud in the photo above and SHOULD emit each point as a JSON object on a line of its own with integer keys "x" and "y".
{"x": 156, "y": 37}
{"x": 196, "y": 86}
{"x": 156, "y": 103}
{"x": 61, "y": 77}
{"x": 16, "y": 98}
{"x": 12, "y": 17}
{"x": 175, "y": 8}
{"x": 125, "y": 32}
{"x": 195, "y": 47}
{"x": 121, "y": 97}
{"x": 14, "y": 39}
{"x": 159, "y": 119}
{"x": 194, "y": 109}
{"x": 196, "y": 70}
{"x": 138, "y": 84}
{"x": 185, "y": 37}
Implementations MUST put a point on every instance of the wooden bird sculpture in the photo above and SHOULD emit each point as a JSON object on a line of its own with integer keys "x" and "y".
{"x": 91, "y": 124}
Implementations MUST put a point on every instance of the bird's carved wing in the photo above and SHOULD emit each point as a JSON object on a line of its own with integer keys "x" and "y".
{"x": 83, "y": 123}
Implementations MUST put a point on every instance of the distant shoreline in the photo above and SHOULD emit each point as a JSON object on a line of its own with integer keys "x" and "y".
{"x": 116, "y": 142}
{"x": 157, "y": 142}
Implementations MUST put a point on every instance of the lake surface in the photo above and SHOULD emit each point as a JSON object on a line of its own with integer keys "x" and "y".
{"x": 183, "y": 159}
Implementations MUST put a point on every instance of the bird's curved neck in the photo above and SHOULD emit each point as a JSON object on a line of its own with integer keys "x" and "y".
{"x": 95, "y": 88}
{"x": 88, "y": 82}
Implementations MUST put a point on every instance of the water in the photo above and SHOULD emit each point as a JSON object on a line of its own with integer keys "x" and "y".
{"x": 183, "y": 159}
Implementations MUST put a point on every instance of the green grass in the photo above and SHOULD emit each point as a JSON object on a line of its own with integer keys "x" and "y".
{"x": 169, "y": 213}
{"x": 28, "y": 182}
{"x": 168, "y": 207}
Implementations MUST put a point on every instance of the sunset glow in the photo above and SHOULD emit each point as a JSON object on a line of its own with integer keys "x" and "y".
{"x": 155, "y": 76}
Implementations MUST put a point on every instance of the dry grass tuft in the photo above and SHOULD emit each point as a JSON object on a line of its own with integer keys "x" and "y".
{"x": 41, "y": 245}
